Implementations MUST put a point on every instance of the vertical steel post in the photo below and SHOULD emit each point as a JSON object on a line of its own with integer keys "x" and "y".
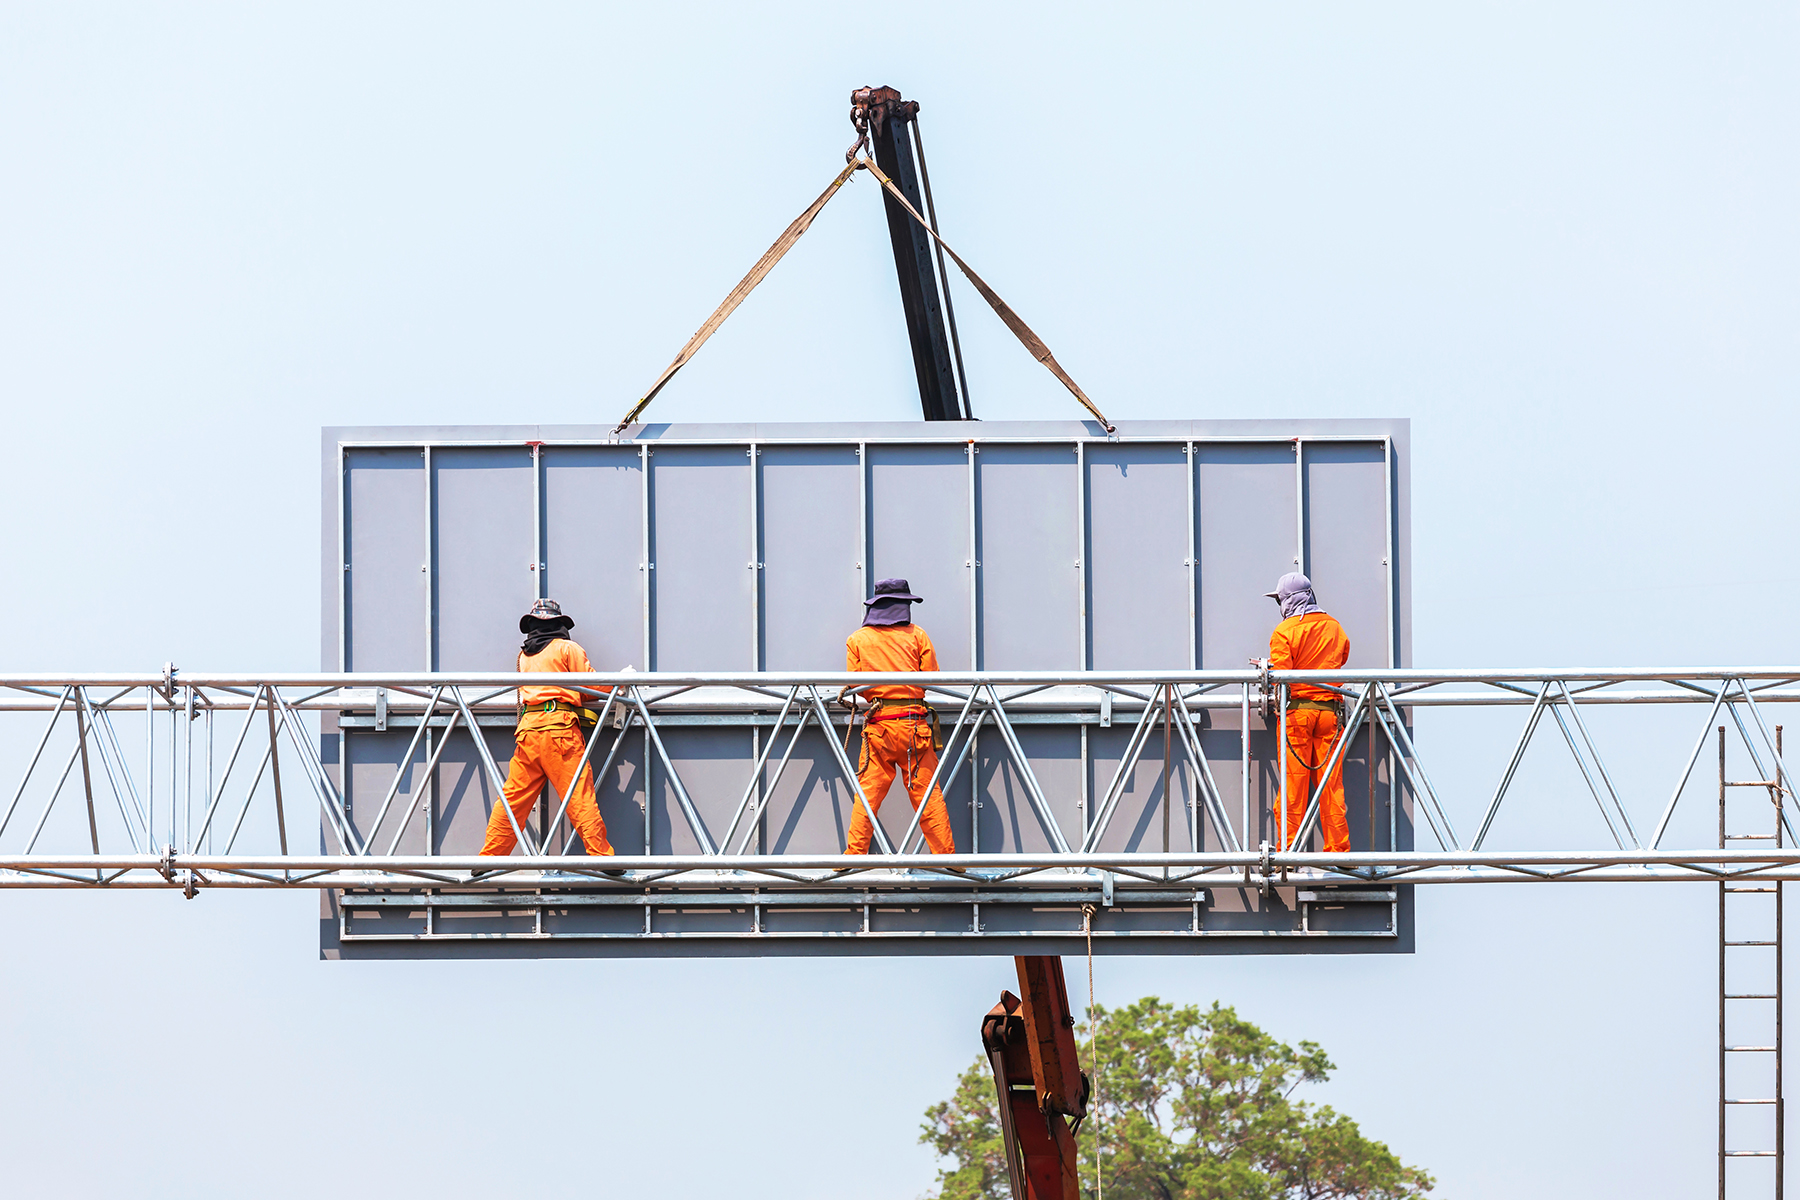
{"x": 1300, "y": 555}
{"x": 648, "y": 566}
{"x": 187, "y": 772}
{"x": 753, "y": 453}
{"x": 540, "y": 557}
{"x": 974, "y": 563}
{"x": 343, "y": 561}
{"x": 1369, "y": 750}
{"x": 1193, "y": 564}
{"x": 1168, "y": 752}
{"x": 1084, "y": 651}
{"x": 1249, "y": 838}
{"x": 1721, "y": 970}
{"x": 209, "y": 763}
{"x": 1391, "y": 576}
{"x": 174, "y": 782}
{"x": 864, "y": 567}
{"x": 427, "y": 567}
{"x": 1281, "y": 773}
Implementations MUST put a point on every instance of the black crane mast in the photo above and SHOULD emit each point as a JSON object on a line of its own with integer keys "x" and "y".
{"x": 889, "y": 126}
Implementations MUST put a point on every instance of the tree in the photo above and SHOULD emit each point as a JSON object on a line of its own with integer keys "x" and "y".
{"x": 1187, "y": 1105}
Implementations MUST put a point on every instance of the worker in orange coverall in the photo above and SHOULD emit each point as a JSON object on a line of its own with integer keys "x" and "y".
{"x": 548, "y": 742}
{"x": 1310, "y": 639}
{"x": 897, "y": 735}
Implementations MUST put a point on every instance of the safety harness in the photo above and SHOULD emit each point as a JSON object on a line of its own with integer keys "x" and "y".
{"x": 585, "y": 718}
{"x": 912, "y": 710}
{"x": 1335, "y": 707}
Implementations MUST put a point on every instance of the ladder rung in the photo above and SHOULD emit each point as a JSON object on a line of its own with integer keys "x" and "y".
{"x": 1750, "y": 1049}
{"x": 1751, "y": 783}
{"x": 1750, "y": 943}
{"x": 1749, "y": 837}
{"x": 1749, "y": 1154}
{"x": 1735, "y": 890}
{"x": 1749, "y": 1102}
{"x": 1751, "y": 996}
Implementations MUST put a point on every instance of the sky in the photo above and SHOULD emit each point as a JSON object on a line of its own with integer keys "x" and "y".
{"x": 1558, "y": 237}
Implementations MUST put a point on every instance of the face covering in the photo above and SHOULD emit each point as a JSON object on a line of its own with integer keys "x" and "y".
{"x": 889, "y": 612}
{"x": 1298, "y": 604}
{"x": 541, "y": 635}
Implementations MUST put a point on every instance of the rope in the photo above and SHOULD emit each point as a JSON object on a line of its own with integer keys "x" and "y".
{"x": 1087, "y": 929}
{"x": 738, "y": 294}
{"x": 1031, "y": 341}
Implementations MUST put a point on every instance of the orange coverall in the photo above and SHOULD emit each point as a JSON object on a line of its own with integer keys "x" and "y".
{"x": 1312, "y": 642}
{"x": 547, "y": 745}
{"x": 897, "y": 738}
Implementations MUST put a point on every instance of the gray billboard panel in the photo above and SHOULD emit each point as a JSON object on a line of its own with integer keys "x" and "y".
{"x": 702, "y": 573}
{"x": 1139, "y": 561}
{"x": 808, "y": 552}
{"x": 922, "y": 529}
{"x": 484, "y": 551}
{"x": 384, "y": 582}
{"x": 599, "y": 564}
{"x": 1028, "y": 557}
{"x": 1038, "y": 546}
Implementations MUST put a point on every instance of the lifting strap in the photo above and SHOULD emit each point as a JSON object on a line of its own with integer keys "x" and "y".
{"x": 738, "y": 294}
{"x": 1032, "y": 343}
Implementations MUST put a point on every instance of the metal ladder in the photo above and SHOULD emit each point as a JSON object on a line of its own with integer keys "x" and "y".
{"x": 1751, "y": 946}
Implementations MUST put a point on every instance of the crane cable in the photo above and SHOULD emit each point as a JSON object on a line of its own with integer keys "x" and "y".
{"x": 1032, "y": 343}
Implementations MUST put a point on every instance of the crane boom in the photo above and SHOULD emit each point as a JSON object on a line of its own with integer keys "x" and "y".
{"x": 888, "y": 124}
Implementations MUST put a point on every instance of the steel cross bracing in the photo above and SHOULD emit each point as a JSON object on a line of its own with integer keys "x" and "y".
{"x": 210, "y": 756}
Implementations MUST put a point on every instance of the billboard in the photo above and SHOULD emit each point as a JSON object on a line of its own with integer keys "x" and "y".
{"x": 1039, "y": 547}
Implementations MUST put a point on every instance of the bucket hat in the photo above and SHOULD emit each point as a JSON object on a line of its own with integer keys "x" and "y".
{"x": 545, "y": 610}
{"x": 893, "y": 589}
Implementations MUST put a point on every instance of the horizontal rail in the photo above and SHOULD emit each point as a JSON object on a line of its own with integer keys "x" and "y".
{"x": 1401, "y": 677}
{"x": 1019, "y": 871}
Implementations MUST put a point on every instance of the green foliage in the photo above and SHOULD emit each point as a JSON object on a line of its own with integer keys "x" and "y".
{"x": 1188, "y": 1105}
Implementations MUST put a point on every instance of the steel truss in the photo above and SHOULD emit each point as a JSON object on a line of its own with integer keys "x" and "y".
{"x": 181, "y": 807}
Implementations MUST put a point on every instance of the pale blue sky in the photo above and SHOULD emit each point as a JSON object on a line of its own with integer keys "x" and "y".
{"x": 1561, "y": 238}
